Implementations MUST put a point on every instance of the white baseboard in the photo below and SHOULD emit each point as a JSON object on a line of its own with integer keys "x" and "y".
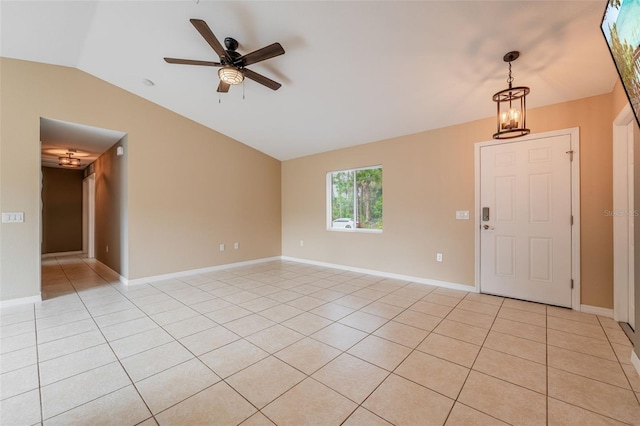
{"x": 21, "y": 301}
{"x": 635, "y": 361}
{"x": 446, "y": 284}
{"x": 596, "y": 310}
{"x": 180, "y": 274}
{"x": 93, "y": 260}
{"x": 62, "y": 253}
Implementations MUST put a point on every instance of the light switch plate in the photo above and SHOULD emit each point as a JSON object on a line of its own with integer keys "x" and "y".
{"x": 12, "y": 217}
{"x": 462, "y": 214}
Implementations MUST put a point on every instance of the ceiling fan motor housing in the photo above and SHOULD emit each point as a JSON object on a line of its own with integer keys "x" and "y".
{"x": 232, "y": 44}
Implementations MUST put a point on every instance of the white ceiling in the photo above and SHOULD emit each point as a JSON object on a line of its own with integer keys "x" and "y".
{"x": 354, "y": 71}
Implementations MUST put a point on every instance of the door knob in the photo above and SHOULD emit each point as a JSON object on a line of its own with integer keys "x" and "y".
{"x": 487, "y": 227}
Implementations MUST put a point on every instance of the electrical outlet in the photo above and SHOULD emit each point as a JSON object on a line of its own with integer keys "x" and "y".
{"x": 221, "y": 247}
{"x": 301, "y": 243}
{"x": 462, "y": 214}
{"x": 439, "y": 257}
{"x": 236, "y": 246}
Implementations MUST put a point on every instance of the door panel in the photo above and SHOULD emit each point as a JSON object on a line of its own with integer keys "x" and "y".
{"x": 525, "y": 246}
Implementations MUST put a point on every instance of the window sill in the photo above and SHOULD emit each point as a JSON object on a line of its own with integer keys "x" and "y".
{"x": 356, "y": 230}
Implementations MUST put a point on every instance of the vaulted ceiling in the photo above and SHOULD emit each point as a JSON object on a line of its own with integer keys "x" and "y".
{"x": 354, "y": 71}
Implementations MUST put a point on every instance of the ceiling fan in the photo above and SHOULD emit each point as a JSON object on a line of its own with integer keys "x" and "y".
{"x": 232, "y": 64}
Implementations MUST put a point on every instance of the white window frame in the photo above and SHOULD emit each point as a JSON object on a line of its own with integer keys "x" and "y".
{"x": 355, "y": 202}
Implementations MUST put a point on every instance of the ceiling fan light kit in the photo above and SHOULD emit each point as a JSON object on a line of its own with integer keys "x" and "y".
{"x": 511, "y": 107}
{"x": 231, "y": 75}
{"x": 232, "y": 64}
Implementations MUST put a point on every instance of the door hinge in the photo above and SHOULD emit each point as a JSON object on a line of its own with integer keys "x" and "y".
{"x": 572, "y": 284}
{"x": 571, "y": 220}
{"x": 570, "y": 155}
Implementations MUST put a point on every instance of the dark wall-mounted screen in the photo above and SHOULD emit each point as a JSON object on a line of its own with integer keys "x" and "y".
{"x": 621, "y": 29}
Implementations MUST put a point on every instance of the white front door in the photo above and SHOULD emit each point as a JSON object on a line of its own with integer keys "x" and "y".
{"x": 525, "y": 207}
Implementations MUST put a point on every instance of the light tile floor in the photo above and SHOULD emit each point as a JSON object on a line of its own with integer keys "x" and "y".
{"x": 294, "y": 344}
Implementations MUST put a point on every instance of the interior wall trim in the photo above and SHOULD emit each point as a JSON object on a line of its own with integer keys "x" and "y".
{"x": 20, "y": 301}
{"x": 597, "y": 310}
{"x": 635, "y": 361}
{"x": 419, "y": 280}
{"x": 180, "y": 274}
{"x": 103, "y": 270}
{"x": 62, "y": 253}
{"x": 622, "y": 263}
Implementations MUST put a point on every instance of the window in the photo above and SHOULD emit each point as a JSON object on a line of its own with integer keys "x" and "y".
{"x": 355, "y": 199}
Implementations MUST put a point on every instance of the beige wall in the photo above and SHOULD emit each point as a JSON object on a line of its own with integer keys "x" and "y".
{"x": 178, "y": 212}
{"x": 426, "y": 178}
{"x": 61, "y": 210}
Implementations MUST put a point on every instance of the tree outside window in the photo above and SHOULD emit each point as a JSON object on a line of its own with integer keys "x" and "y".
{"x": 356, "y": 199}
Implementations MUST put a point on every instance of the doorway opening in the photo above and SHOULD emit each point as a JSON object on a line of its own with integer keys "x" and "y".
{"x": 99, "y": 188}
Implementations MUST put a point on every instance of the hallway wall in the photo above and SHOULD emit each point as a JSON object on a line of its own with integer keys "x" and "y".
{"x": 61, "y": 210}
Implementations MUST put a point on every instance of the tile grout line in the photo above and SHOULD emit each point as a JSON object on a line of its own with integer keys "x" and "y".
{"x": 309, "y": 376}
{"x": 471, "y": 367}
{"x": 198, "y": 358}
{"x": 308, "y": 310}
{"x": 579, "y": 375}
{"x": 35, "y": 326}
{"x": 114, "y": 354}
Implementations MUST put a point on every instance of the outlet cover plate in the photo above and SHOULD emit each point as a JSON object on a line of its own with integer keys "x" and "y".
{"x": 12, "y": 217}
{"x": 462, "y": 214}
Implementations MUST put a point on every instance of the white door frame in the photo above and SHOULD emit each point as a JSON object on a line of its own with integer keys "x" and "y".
{"x": 89, "y": 215}
{"x": 574, "y": 134}
{"x": 622, "y": 229}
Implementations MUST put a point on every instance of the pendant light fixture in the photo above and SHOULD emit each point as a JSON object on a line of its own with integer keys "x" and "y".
{"x": 69, "y": 161}
{"x": 512, "y": 107}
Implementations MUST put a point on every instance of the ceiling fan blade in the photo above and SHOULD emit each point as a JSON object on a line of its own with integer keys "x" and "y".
{"x": 259, "y": 78}
{"x": 192, "y": 62}
{"x": 208, "y": 35}
{"x": 223, "y": 87}
{"x": 266, "y": 52}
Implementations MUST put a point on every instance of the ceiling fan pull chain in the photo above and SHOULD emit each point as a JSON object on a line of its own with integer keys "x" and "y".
{"x": 219, "y": 99}
{"x": 243, "y": 90}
